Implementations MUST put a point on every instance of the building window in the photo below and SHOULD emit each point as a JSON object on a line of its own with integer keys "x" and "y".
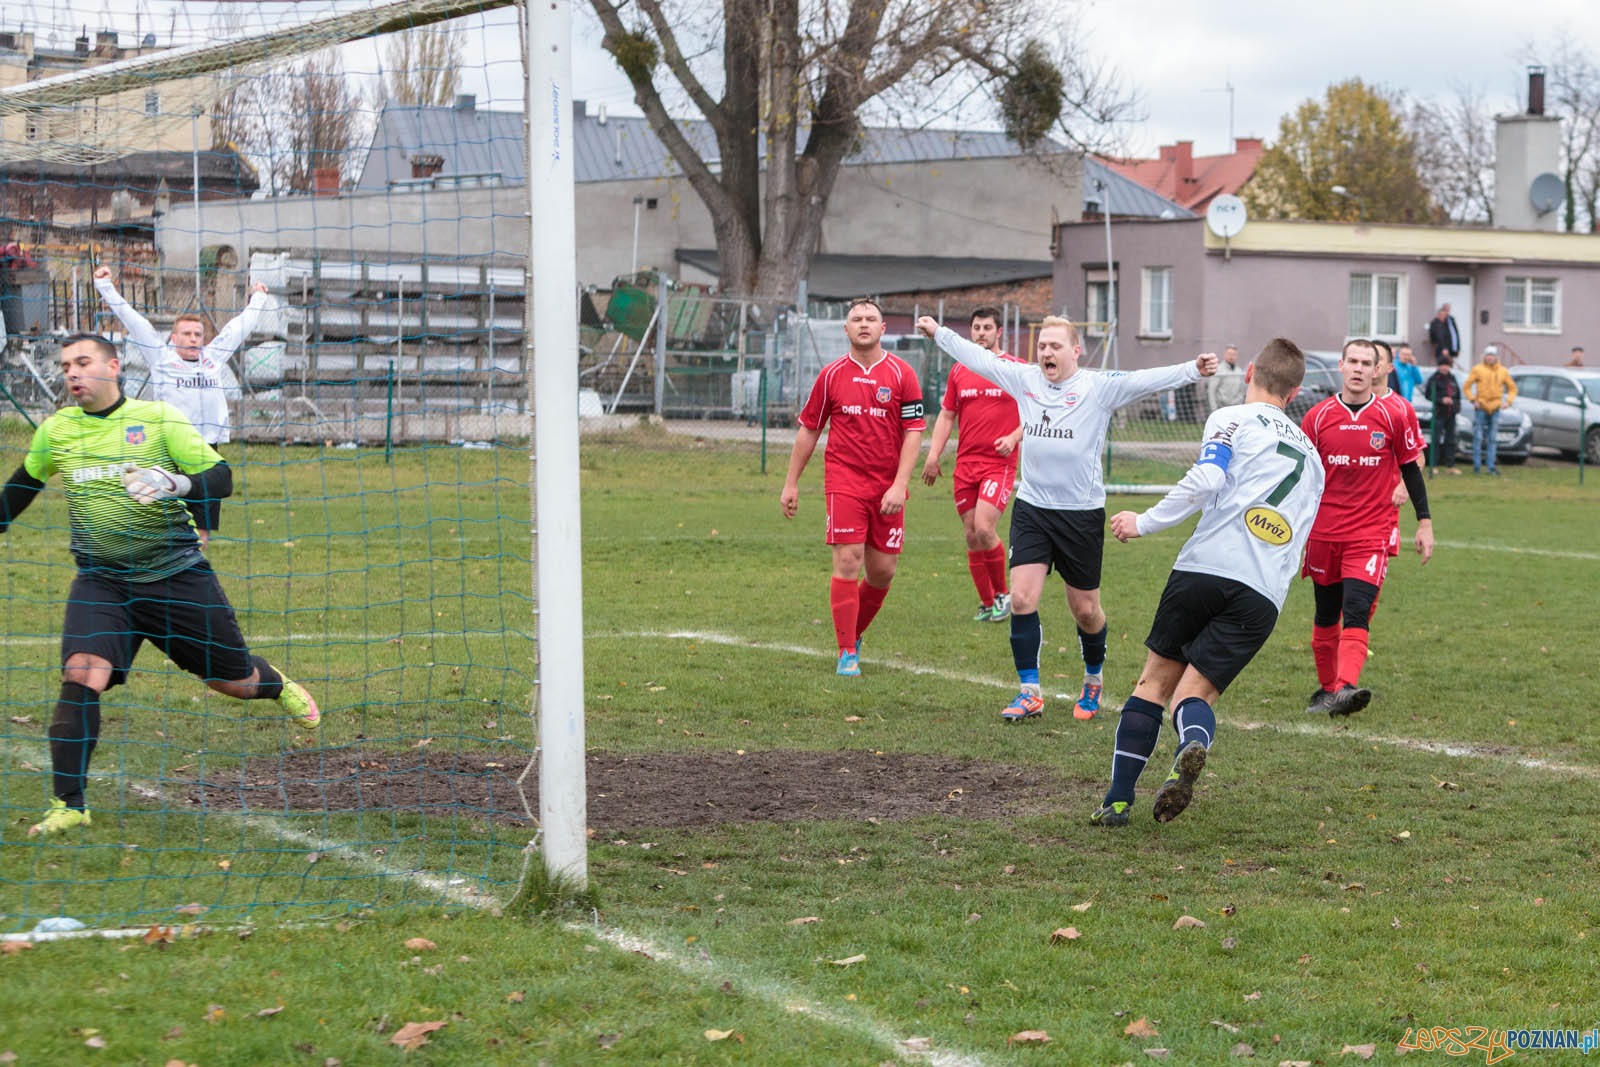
{"x": 1155, "y": 309}
{"x": 1533, "y": 305}
{"x": 1100, "y": 289}
{"x": 152, "y": 102}
{"x": 1377, "y": 306}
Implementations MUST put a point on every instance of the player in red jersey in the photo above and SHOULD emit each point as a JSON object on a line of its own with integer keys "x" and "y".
{"x": 1403, "y": 410}
{"x": 871, "y": 403}
{"x": 1364, "y": 446}
{"x": 986, "y": 464}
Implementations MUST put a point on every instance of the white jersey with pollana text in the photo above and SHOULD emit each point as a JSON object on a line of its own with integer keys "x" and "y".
{"x": 1064, "y": 423}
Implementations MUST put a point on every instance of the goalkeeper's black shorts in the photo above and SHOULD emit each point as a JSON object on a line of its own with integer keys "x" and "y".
{"x": 186, "y": 615}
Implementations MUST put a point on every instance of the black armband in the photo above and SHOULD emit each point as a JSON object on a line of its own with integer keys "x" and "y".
{"x": 19, "y": 492}
{"x": 1417, "y": 487}
{"x": 213, "y": 483}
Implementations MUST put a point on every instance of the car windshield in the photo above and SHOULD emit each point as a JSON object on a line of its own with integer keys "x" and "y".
{"x": 1592, "y": 387}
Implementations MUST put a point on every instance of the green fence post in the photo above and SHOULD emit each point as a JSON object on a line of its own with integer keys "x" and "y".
{"x": 1583, "y": 428}
{"x": 24, "y": 413}
{"x": 763, "y": 417}
{"x": 388, "y": 418}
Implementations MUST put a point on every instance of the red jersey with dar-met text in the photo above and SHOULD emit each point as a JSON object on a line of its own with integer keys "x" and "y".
{"x": 1362, "y": 453}
{"x": 984, "y": 413}
{"x": 868, "y": 411}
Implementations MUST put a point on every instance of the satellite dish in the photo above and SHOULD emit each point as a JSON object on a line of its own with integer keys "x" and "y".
{"x": 1226, "y": 216}
{"x": 1547, "y": 192}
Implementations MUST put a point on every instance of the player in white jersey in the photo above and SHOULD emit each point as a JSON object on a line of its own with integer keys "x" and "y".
{"x": 187, "y": 373}
{"x": 1257, "y": 484}
{"x": 1059, "y": 517}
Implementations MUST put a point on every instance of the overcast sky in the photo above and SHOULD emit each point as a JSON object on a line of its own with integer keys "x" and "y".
{"x": 1178, "y": 54}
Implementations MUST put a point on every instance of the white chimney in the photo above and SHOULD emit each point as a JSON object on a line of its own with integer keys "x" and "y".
{"x": 600, "y": 114}
{"x": 1527, "y": 153}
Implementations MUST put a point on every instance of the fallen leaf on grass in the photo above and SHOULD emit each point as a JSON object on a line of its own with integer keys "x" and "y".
{"x": 1140, "y": 1027}
{"x": 804, "y": 920}
{"x": 1189, "y": 922}
{"x": 1242, "y": 1051}
{"x": 852, "y": 718}
{"x": 95, "y": 1042}
{"x": 1158, "y": 1053}
{"x": 917, "y": 1044}
{"x": 1364, "y": 1051}
{"x": 1085, "y": 906}
{"x": 1219, "y": 1024}
{"x": 1294, "y": 1063}
{"x": 1252, "y": 996}
{"x": 415, "y": 1035}
{"x": 1353, "y": 887}
{"x": 1029, "y": 1037}
{"x": 215, "y": 1013}
{"x": 1229, "y": 942}
{"x": 848, "y": 960}
{"x": 265, "y": 1012}
{"x": 723, "y": 1035}
{"x": 22, "y": 720}
{"x": 1065, "y": 933}
{"x": 420, "y": 944}
{"x": 12, "y": 948}
{"x": 192, "y": 909}
{"x": 8, "y": 1056}
{"x": 516, "y": 997}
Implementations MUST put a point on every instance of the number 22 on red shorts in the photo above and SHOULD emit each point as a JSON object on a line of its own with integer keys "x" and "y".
{"x": 854, "y": 520}
{"x": 1333, "y": 561}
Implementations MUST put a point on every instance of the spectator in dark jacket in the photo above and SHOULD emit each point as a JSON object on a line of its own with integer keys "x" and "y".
{"x": 1444, "y": 393}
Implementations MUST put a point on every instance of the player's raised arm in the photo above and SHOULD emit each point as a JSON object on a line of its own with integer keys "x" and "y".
{"x": 241, "y": 326}
{"x": 1005, "y": 373}
{"x": 1123, "y": 389}
{"x": 140, "y": 332}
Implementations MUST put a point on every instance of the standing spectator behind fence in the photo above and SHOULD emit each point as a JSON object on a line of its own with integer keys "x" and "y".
{"x": 1444, "y": 336}
{"x": 1444, "y": 393}
{"x": 1226, "y": 387}
{"x": 187, "y": 373}
{"x": 1577, "y": 356}
{"x": 1491, "y": 390}
{"x": 1405, "y": 375}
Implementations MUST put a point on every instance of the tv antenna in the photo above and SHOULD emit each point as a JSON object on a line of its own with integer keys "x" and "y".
{"x": 1227, "y": 87}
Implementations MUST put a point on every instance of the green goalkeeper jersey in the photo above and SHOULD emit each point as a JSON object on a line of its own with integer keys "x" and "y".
{"x": 110, "y": 532}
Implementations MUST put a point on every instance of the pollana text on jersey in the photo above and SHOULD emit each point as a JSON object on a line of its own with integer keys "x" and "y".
{"x": 1044, "y": 429}
{"x": 198, "y": 381}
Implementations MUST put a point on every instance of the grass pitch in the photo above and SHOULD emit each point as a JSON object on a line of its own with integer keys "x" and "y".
{"x": 1431, "y": 862}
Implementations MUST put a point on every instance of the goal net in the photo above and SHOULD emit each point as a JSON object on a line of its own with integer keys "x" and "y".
{"x": 358, "y": 165}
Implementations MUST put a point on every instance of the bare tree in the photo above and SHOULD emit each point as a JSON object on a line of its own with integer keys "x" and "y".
{"x": 1572, "y": 93}
{"x": 422, "y": 67}
{"x": 1456, "y": 153}
{"x": 801, "y": 72}
{"x": 293, "y": 121}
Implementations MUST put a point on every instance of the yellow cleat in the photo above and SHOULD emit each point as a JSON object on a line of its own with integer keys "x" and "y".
{"x": 59, "y": 818}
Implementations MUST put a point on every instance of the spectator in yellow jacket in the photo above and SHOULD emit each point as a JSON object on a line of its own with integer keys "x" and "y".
{"x": 1490, "y": 389}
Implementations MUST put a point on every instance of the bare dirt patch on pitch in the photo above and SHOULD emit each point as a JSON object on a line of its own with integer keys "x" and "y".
{"x": 628, "y": 791}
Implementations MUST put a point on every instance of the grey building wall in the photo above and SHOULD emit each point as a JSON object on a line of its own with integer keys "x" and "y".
{"x": 945, "y": 208}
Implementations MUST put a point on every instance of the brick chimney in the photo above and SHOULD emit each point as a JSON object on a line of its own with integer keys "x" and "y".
{"x": 426, "y": 165}
{"x": 1246, "y": 144}
{"x": 105, "y": 44}
{"x": 1536, "y": 90}
{"x": 325, "y": 181}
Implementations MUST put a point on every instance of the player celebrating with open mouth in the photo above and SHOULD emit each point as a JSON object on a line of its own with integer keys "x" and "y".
{"x": 1059, "y": 517}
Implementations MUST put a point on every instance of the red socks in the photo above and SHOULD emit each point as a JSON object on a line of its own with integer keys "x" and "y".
{"x": 1352, "y": 655}
{"x": 871, "y": 599}
{"x": 978, "y": 564}
{"x": 996, "y": 560}
{"x": 1325, "y": 645}
{"x": 843, "y": 598}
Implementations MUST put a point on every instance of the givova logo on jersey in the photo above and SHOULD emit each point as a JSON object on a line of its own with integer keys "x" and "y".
{"x": 1267, "y": 525}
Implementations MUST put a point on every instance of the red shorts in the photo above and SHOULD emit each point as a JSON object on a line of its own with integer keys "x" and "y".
{"x": 992, "y": 485}
{"x": 1394, "y": 541}
{"x": 854, "y": 520}
{"x": 1334, "y": 561}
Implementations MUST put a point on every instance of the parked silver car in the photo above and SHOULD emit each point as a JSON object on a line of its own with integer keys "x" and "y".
{"x": 1513, "y": 437}
{"x": 1564, "y": 404}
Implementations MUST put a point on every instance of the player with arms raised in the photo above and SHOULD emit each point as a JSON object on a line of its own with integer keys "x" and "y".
{"x": 1257, "y": 484}
{"x": 129, "y": 469}
{"x": 187, "y": 373}
{"x": 1059, "y": 520}
{"x": 871, "y": 403}
{"x": 986, "y": 464}
{"x": 1366, "y": 447}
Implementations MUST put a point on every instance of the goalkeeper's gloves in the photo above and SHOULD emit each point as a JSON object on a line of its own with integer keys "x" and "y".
{"x": 146, "y": 485}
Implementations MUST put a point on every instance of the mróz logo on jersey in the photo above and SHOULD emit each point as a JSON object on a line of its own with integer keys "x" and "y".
{"x": 883, "y": 394}
{"x": 135, "y": 435}
{"x": 1268, "y": 525}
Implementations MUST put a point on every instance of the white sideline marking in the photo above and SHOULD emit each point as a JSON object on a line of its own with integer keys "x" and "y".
{"x": 1515, "y": 550}
{"x": 1454, "y": 749}
{"x": 776, "y": 993}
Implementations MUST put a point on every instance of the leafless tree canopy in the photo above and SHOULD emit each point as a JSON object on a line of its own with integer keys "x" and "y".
{"x": 1455, "y": 153}
{"x": 801, "y": 73}
{"x": 1572, "y": 92}
{"x": 422, "y": 67}
{"x": 293, "y": 121}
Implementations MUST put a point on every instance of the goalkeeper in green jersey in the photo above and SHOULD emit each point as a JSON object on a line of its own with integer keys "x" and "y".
{"x": 130, "y": 468}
